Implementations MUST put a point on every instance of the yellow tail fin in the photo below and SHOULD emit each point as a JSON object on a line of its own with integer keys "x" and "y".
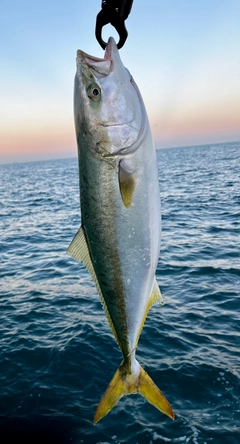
{"x": 125, "y": 382}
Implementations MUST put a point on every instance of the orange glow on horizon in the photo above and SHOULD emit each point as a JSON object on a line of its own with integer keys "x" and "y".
{"x": 189, "y": 124}
{"x": 39, "y": 141}
{"x": 193, "y": 123}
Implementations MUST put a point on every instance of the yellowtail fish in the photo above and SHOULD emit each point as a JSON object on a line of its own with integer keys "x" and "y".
{"x": 119, "y": 237}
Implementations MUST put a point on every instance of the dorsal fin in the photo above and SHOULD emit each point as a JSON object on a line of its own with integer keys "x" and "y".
{"x": 78, "y": 249}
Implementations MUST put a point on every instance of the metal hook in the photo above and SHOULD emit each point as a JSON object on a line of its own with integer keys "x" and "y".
{"x": 114, "y": 12}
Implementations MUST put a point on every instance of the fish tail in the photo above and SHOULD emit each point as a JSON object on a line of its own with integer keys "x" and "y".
{"x": 132, "y": 380}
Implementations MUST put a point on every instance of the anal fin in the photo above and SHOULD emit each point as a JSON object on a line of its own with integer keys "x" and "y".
{"x": 154, "y": 297}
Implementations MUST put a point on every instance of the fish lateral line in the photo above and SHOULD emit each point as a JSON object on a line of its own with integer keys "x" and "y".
{"x": 120, "y": 240}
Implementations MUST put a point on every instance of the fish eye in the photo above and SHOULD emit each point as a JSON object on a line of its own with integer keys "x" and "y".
{"x": 94, "y": 92}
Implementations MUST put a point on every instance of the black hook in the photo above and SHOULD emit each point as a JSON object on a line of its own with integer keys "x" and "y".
{"x": 114, "y": 12}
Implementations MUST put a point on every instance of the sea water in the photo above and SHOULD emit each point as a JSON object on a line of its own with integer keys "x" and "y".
{"x": 57, "y": 353}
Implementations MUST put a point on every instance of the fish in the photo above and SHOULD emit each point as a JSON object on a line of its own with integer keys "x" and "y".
{"x": 119, "y": 237}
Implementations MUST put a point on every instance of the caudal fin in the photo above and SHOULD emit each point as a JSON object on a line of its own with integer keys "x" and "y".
{"x": 125, "y": 382}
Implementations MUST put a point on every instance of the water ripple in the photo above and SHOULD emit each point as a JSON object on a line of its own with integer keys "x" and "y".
{"x": 57, "y": 351}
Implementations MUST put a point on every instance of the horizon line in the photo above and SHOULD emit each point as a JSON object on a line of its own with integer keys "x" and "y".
{"x": 12, "y": 162}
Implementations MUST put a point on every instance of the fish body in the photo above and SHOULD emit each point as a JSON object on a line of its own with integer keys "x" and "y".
{"x": 119, "y": 238}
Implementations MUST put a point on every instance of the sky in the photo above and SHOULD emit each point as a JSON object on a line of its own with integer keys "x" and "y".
{"x": 183, "y": 54}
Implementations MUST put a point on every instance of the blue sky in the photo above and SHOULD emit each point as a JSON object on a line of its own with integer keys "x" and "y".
{"x": 183, "y": 54}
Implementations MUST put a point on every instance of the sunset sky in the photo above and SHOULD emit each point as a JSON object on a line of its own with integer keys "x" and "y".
{"x": 183, "y": 54}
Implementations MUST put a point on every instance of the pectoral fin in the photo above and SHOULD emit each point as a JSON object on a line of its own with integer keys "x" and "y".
{"x": 126, "y": 183}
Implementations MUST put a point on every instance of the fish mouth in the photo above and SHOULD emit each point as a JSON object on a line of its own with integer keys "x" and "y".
{"x": 100, "y": 66}
{"x": 111, "y": 49}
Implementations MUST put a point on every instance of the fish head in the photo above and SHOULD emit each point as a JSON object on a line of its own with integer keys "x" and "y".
{"x": 108, "y": 106}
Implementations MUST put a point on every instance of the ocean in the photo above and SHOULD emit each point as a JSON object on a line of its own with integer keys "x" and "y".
{"x": 57, "y": 353}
